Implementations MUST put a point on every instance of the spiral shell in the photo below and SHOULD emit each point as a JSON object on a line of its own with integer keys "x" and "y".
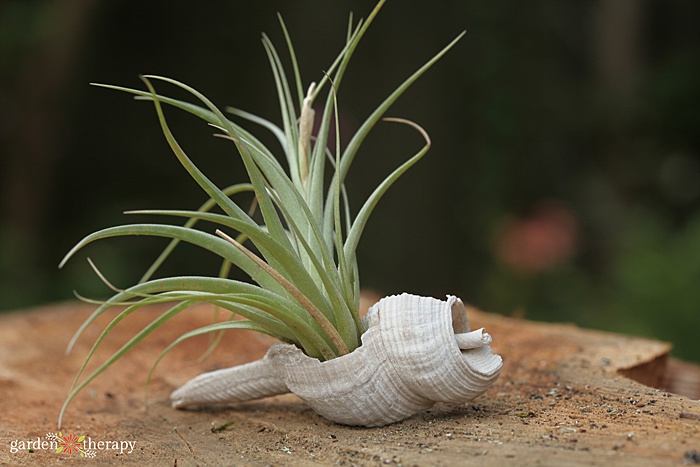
{"x": 415, "y": 352}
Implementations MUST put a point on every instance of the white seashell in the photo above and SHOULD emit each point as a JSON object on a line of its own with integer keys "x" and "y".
{"x": 415, "y": 352}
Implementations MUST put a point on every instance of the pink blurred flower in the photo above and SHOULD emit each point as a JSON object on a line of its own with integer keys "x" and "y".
{"x": 541, "y": 241}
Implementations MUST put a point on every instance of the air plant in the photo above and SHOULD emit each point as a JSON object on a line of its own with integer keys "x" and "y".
{"x": 305, "y": 287}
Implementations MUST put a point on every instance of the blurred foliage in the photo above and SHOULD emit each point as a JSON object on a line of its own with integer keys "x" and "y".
{"x": 563, "y": 183}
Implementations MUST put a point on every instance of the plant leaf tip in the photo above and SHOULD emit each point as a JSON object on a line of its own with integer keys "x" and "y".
{"x": 65, "y": 260}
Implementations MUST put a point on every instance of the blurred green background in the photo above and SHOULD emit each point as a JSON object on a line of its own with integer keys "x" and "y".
{"x": 563, "y": 183}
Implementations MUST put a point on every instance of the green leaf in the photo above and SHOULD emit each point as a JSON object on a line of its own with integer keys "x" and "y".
{"x": 207, "y": 206}
{"x": 279, "y": 134}
{"x": 290, "y": 265}
{"x": 320, "y": 318}
{"x": 286, "y": 108}
{"x": 316, "y": 184}
{"x": 212, "y": 190}
{"x": 358, "y": 225}
{"x": 217, "y": 327}
{"x": 221, "y": 291}
{"x": 204, "y": 240}
{"x": 364, "y": 130}
{"x": 293, "y": 57}
{"x": 120, "y": 353}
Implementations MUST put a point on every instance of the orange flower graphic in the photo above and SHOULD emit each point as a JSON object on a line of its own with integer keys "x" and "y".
{"x": 70, "y": 444}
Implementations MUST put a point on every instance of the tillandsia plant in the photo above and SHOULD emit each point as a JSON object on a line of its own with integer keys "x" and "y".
{"x": 305, "y": 290}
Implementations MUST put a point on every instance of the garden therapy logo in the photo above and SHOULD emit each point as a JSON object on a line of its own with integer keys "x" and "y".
{"x": 71, "y": 445}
